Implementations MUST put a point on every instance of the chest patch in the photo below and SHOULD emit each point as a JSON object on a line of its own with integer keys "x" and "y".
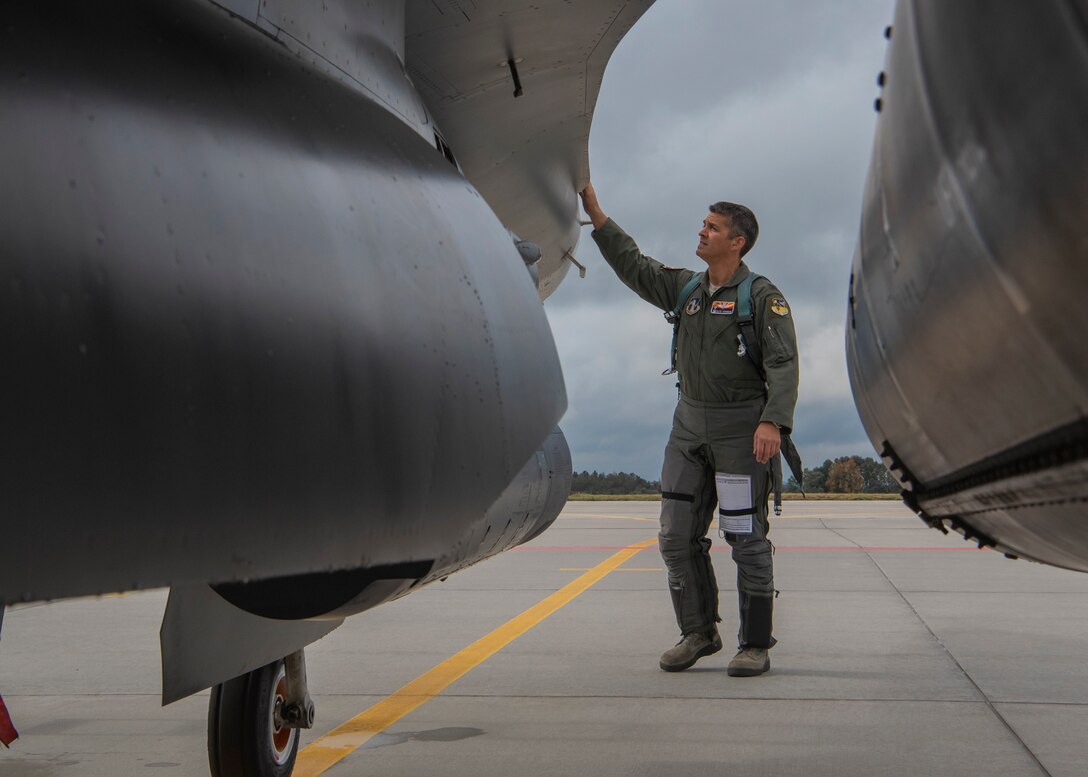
{"x": 779, "y": 306}
{"x": 694, "y": 305}
{"x": 721, "y": 307}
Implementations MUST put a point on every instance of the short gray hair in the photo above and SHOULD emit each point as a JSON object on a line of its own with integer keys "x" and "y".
{"x": 741, "y": 220}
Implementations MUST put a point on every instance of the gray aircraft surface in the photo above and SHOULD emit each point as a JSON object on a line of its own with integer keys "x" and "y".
{"x": 269, "y": 322}
{"x": 966, "y": 334}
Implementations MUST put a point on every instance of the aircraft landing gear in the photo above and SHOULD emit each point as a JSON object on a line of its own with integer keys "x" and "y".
{"x": 253, "y": 720}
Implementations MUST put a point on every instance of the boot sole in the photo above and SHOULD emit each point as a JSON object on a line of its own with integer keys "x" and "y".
{"x": 745, "y": 672}
{"x": 709, "y": 650}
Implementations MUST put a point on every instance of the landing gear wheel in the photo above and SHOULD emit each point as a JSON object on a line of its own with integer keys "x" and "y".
{"x": 246, "y": 735}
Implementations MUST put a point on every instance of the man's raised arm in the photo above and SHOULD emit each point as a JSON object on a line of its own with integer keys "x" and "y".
{"x": 592, "y": 207}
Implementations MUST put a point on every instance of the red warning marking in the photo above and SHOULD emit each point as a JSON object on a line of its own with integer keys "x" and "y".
{"x": 870, "y": 548}
{"x": 801, "y": 549}
{"x": 571, "y": 547}
{"x": 8, "y": 734}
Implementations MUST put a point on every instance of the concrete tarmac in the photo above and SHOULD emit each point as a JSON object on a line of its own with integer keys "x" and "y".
{"x": 901, "y": 652}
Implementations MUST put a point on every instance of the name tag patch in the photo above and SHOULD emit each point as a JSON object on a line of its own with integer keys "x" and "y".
{"x": 721, "y": 307}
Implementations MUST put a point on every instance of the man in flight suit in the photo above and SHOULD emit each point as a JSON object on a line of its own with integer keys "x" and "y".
{"x": 726, "y": 431}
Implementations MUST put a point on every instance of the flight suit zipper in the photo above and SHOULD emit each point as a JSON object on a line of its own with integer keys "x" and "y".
{"x": 780, "y": 351}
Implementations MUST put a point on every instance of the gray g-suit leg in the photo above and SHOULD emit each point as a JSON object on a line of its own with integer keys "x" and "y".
{"x": 752, "y": 551}
{"x": 687, "y": 508}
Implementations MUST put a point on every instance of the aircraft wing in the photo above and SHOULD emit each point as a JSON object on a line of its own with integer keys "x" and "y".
{"x": 524, "y": 153}
{"x": 464, "y": 61}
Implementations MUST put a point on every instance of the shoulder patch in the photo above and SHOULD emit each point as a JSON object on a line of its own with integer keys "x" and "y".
{"x": 779, "y": 306}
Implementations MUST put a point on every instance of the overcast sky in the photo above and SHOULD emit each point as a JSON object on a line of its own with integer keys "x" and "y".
{"x": 764, "y": 102}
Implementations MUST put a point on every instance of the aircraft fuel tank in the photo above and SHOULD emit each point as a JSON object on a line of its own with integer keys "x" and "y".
{"x": 257, "y": 622}
{"x": 966, "y": 328}
{"x": 527, "y": 506}
{"x": 253, "y": 323}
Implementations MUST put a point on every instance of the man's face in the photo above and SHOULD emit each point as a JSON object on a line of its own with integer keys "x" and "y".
{"x": 715, "y": 240}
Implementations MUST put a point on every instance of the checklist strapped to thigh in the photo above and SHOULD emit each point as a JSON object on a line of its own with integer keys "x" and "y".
{"x": 734, "y": 503}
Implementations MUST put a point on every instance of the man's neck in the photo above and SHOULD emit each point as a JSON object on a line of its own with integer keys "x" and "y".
{"x": 721, "y": 272}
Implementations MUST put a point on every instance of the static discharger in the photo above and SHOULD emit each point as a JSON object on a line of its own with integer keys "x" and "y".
{"x": 581, "y": 267}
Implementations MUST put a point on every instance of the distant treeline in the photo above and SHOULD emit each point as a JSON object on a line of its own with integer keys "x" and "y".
{"x": 614, "y": 483}
{"x": 847, "y": 475}
{"x": 844, "y": 475}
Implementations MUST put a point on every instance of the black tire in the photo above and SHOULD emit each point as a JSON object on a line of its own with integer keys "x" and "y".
{"x": 243, "y": 740}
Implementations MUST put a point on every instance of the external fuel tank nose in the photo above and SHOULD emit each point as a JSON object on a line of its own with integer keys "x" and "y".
{"x": 530, "y": 254}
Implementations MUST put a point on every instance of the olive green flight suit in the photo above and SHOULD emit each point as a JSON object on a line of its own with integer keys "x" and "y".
{"x": 722, "y": 400}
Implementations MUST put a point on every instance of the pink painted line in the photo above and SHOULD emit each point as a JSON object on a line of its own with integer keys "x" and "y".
{"x": 777, "y": 548}
{"x": 572, "y": 547}
{"x": 867, "y": 547}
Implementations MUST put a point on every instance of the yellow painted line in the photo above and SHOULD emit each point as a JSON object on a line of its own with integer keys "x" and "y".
{"x": 342, "y": 741}
{"x": 787, "y": 515}
{"x": 625, "y": 569}
{"x": 603, "y": 515}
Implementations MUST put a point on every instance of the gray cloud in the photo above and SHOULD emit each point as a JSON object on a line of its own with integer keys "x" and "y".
{"x": 767, "y": 103}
